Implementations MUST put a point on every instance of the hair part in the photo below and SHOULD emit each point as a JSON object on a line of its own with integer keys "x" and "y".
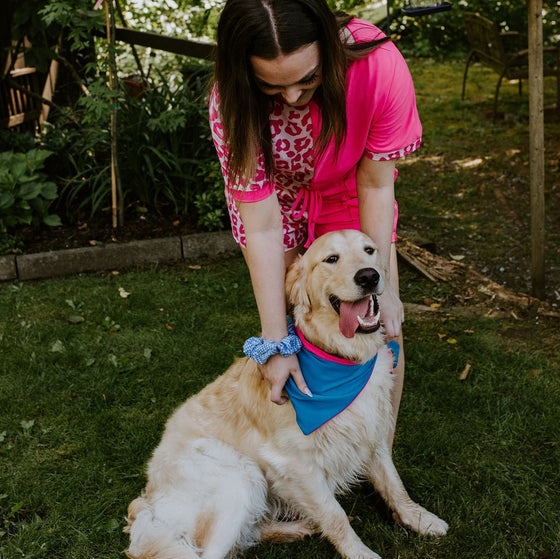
{"x": 268, "y": 29}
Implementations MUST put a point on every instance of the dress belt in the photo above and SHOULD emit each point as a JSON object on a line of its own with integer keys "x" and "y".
{"x": 309, "y": 201}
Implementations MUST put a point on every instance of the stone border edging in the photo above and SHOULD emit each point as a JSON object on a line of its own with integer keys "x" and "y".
{"x": 143, "y": 253}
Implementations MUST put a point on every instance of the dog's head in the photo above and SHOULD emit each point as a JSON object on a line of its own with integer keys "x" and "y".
{"x": 333, "y": 292}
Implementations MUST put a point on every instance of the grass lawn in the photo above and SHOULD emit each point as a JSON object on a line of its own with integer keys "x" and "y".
{"x": 90, "y": 374}
{"x": 92, "y": 366}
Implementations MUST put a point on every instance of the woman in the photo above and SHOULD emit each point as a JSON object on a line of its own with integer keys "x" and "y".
{"x": 309, "y": 112}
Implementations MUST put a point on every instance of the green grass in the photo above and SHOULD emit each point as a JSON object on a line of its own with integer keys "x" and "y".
{"x": 89, "y": 374}
{"x": 467, "y": 190}
{"x": 89, "y": 378}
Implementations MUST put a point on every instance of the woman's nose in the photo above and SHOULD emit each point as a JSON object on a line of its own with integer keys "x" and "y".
{"x": 291, "y": 94}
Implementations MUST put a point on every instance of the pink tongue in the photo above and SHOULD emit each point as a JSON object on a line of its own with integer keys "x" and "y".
{"x": 349, "y": 313}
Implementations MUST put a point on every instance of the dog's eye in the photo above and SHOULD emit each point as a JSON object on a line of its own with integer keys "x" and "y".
{"x": 369, "y": 250}
{"x": 331, "y": 259}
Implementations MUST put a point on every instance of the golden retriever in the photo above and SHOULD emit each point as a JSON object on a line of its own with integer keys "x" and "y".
{"x": 233, "y": 468}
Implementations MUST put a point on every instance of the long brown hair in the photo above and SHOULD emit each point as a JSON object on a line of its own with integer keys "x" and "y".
{"x": 268, "y": 29}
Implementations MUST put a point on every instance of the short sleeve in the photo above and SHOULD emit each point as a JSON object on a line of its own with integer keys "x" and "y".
{"x": 395, "y": 129}
{"x": 381, "y": 96}
{"x": 258, "y": 188}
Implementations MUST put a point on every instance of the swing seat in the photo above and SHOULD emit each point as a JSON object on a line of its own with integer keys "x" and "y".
{"x": 414, "y": 11}
{"x": 500, "y": 52}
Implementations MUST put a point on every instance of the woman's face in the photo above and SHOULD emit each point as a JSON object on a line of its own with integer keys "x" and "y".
{"x": 295, "y": 76}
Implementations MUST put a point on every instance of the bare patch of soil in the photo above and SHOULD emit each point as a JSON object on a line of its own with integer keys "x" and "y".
{"x": 99, "y": 230}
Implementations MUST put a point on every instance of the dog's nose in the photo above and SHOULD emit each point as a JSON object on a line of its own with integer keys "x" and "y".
{"x": 367, "y": 278}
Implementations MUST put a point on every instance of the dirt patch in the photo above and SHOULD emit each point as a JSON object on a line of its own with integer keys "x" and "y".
{"x": 98, "y": 230}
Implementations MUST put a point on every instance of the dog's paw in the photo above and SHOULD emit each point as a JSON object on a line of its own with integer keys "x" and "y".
{"x": 367, "y": 555}
{"x": 424, "y": 522}
{"x": 434, "y": 526}
{"x": 362, "y": 552}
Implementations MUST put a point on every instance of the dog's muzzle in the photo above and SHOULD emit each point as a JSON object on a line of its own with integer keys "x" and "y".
{"x": 361, "y": 316}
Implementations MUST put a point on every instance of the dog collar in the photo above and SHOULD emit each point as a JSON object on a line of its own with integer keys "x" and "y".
{"x": 334, "y": 382}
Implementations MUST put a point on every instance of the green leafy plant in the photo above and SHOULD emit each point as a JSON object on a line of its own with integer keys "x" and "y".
{"x": 444, "y": 33}
{"x": 166, "y": 157}
{"x": 211, "y": 213}
{"x": 82, "y": 157}
{"x": 165, "y": 140}
{"x": 10, "y": 243}
{"x": 25, "y": 192}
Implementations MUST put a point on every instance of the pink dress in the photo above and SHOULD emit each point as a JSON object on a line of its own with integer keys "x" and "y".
{"x": 316, "y": 193}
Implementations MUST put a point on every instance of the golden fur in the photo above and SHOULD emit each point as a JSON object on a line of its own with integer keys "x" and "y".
{"x": 232, "y": 465}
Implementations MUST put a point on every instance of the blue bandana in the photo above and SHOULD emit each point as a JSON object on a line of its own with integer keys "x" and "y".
{"x": 334, "y": 382}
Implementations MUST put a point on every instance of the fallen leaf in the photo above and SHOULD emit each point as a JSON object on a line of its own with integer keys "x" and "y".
{"x": 534, "y": 373}
{"x": 57, "y": 347}
{"x": 195, "y": 267}
{"x": 468, "y": 331}
{"x": 442, "y": 336}
{"x": 27, "y": 425}
{"x": 435, "y": 305}
{"x": 451, "y": 341}
{"x": 111, "y": 525}
{"x": 75, "y": 319}
{"x": 469, "y": 163}
{"x": 169, "y": 327}
{"x": 457, "y": 257}
{"x": 465, "y": 373}
{"x": 124, "y": 294}
{"x": 92, "y": 243}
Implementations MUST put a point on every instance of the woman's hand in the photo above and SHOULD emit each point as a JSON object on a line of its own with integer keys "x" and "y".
{"x": 276, "y": 372}
{"x": 392, "y": 311}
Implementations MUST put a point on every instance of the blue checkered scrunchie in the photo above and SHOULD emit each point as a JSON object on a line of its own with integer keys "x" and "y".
{"x": 260, "y": 350}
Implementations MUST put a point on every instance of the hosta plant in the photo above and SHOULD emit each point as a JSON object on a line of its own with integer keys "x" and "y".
{"x": 25, "y": 191}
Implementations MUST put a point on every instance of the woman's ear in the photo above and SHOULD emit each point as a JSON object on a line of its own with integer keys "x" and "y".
{"x": 296, "y": 293}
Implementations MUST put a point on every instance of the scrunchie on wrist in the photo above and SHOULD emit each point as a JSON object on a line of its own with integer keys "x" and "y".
{"x": 260, "y": 350}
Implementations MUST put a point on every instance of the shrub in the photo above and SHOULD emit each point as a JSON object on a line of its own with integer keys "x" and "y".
{"x": 25, "y": 192}
{"x": 165, "y": 151}
{"x": 165, "y": 142}
{"x": 81, "y": 166}
{"x": 444, "y": 34}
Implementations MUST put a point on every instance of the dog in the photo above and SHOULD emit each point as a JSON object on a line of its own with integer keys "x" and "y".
{"x": 233, "y": 468}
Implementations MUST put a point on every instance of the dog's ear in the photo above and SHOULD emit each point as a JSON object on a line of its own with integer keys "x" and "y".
{"x": 296, "y": 293}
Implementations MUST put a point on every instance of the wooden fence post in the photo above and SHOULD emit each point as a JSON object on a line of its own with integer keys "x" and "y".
{"x": 536, "y": 147}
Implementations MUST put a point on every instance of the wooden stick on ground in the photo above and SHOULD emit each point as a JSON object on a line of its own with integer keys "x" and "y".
{"x": 436, "y": 268}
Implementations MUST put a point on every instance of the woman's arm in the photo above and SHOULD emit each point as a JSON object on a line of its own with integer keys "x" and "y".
{"x": 376, "y": 198}
{"x": 265, "y": 258}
